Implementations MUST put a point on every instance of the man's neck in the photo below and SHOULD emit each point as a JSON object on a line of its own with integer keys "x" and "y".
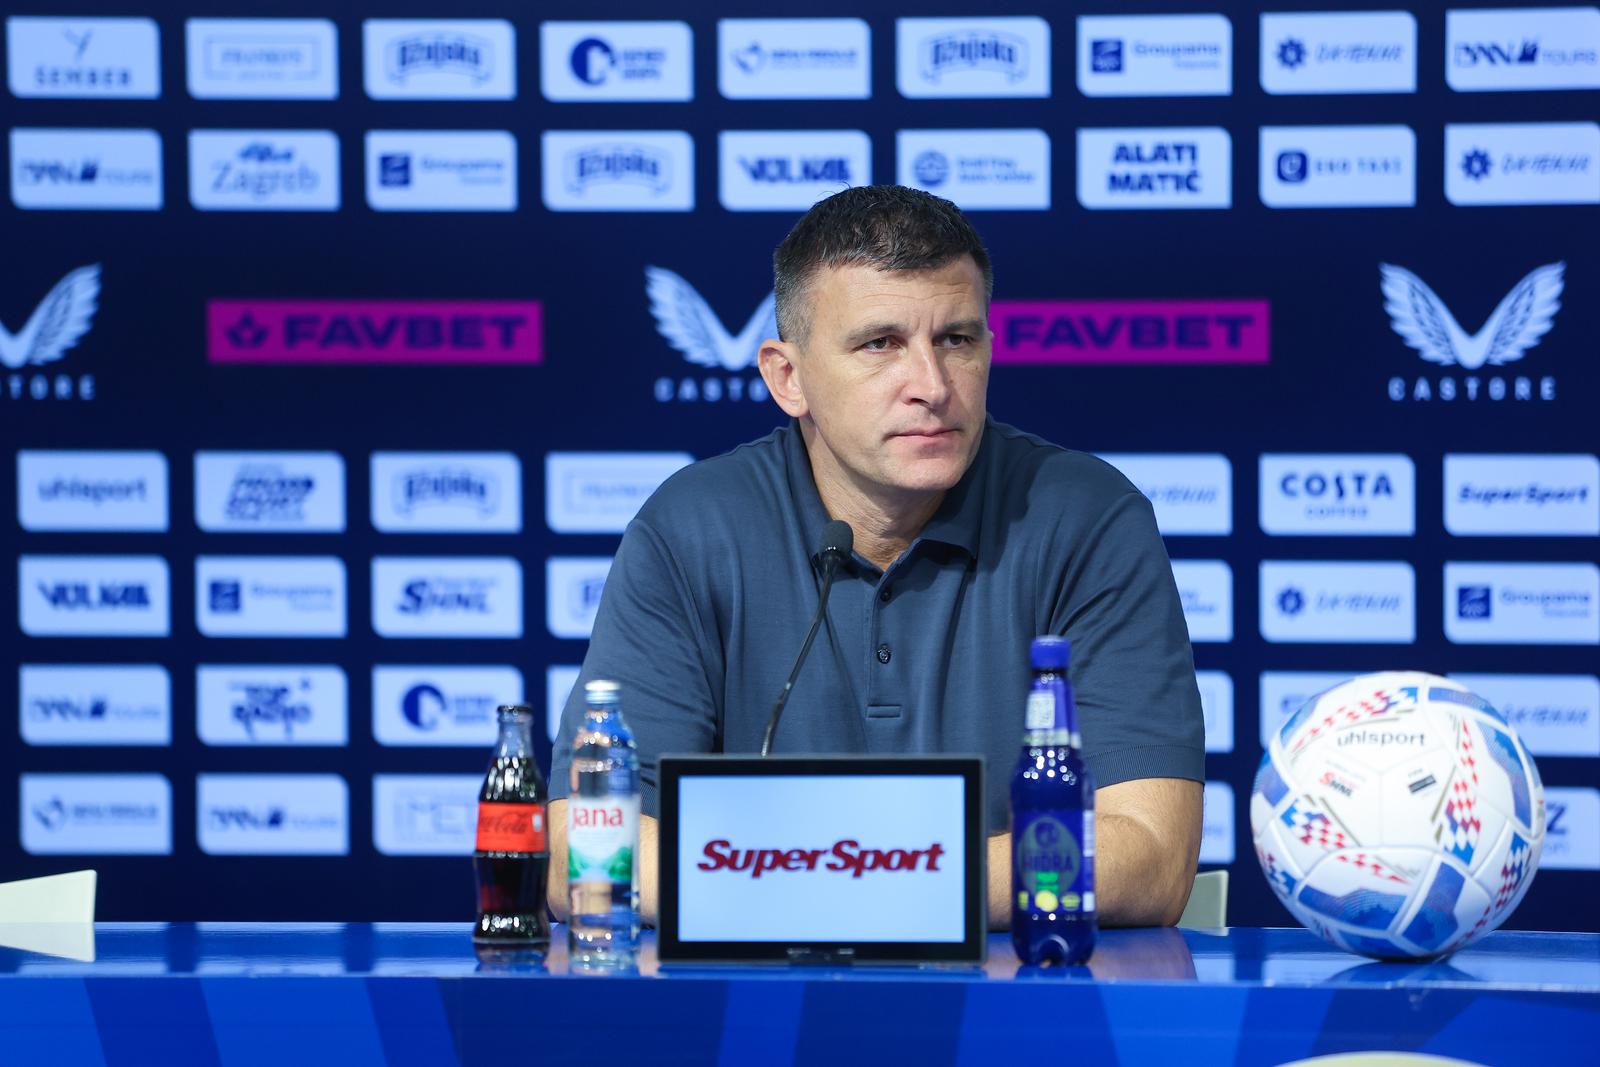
{"x": 884, "y": 526}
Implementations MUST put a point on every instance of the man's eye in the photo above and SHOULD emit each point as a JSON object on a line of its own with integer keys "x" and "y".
{"x": 957, "y": 340}
{"x": 877, "y": 344}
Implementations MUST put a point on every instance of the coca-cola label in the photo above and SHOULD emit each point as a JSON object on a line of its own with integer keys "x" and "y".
{"x": 1054, "y": 857}
{"x": 510, "y": 827}
{"x": 602, "y": 836}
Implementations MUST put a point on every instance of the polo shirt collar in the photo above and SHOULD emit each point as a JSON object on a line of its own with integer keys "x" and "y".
{"x": 956, "y": 522}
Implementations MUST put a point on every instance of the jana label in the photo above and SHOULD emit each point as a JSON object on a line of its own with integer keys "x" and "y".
{"x": 601, "y": 838}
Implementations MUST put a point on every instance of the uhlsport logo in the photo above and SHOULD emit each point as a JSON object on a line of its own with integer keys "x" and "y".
{"x": 1509, "y": 49}
{"x": 620, "y": 170}
{"x": 1338, "y": 166}
{"x": 1517, "y": 324}
{"x": 1529, "y": 495}
{"x": 1155, "y": 168}
{"x": 86, "y": 169}
{"x": 446, "y": 597}
{"x": 1155, "y": 55}
{"x": 374, "y": 331}
{"x": 973, "y": 57}
{"x": 1192, "y": 494}
{"x": 794, "y": 59}
{"x": 425, "y": 814}
{"x": 441, "y": 706}
{"x": 264, "y": 170}
{"x": 1205, "y": 590}
{"x": 1332, "y": 495}
{"x": 272, "y": 814}
{"x": 616, "y": 60}
{"x": 689, "y": 325}
{"x": 440, "y": 59}
{"x": 262, "y": 59}
{"x": 978, "y": 169}
{"x": 1326, "y": 52}
{"x": 55, "y": 325}
{"x": 1522, "y": 163}
{"x": 1365, "y": 602}
{"x": 446, "y": 492}
{"x": 248, "y": 704}
{"x": 88, "y": 704}
{"x": 72, "y": 490}
{"x": 83, "y": 58}
{"x": 1130, "y": 331}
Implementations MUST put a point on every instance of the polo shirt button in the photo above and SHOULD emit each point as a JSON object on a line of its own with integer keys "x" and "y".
{"x": 884, "y": 653}
{"x": 884, "y": 596}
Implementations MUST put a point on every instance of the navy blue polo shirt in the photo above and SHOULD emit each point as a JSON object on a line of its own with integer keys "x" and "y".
{"x": 716, "y": 579}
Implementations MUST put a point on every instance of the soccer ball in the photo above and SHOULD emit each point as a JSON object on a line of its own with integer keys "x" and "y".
{"x": 1398, "y": 816}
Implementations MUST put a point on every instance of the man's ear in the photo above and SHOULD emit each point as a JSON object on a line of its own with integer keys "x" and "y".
{"x": 780, "y": 369}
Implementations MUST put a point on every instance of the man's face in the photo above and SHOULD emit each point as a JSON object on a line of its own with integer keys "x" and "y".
{"x": 894, "y": 372}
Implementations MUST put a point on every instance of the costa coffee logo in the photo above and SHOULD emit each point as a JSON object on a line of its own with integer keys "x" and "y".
{"x": 846, "y": 855}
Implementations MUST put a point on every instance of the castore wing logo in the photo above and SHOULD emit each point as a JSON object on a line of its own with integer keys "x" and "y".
{"x": 689, "y": 325}
{"x": 1516, "y": 325}
{"x": 57, "y": 323}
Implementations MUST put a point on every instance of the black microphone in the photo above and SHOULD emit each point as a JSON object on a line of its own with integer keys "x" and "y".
{"x": 837, "y": 538}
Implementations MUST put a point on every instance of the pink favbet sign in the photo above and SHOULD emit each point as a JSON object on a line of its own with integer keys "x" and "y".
{"x": 1130, "y": 331}
{"x": 374, "y": 331}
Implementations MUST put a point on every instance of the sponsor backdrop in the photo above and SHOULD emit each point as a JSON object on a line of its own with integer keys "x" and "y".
{"x": 339, "y": 351}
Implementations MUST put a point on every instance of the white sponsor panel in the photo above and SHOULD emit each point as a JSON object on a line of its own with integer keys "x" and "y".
{"x": 83, "y": 58}
{"x": 264, "y": 170}
{"x": 1528, "y": 495}
{"x": 272, "y": 814}
{"x": 1505, "y": 49}
{"x": 789, "y": 170}
{"x": 794, "y": 59}
{"x": 617, "y": 170}
{"x": 616, "y": 60}
{"x": 439, "y": 59}
{"x": 972, "y": 57}
{"x": 558, "y": 684}
{"x": 99, "y": 491}
{"x": 86, "y": 704}
{"x": 446, "y": 492}
{"x": 461, "y": 596}
{"x": 978, "y": 170}
{"x": 1489, "y": 164}
{"x": 86, "y": 170}
{"x": 1522, "y": 603}
{"x": 573, "y": 585}
{"x": 1329, "y": 494}
{"x": 1554, "y": 714}
{"x": 1359, "y": 603}
{"x": 425, "y": 814}
{"x": 601, "y": 492}
{"x": 438, "y": 706}
{"x": 1155, "y": 55}
{"x": 1155, "y": 168}
{"x": 270, "y": 596}
{"x": 262, "y": 59}
{"x": 1205, "y": 587}
{"x": 1338, "y": 166}
{"x": 1339, "y": 52}
{"x": 94, "y": 596}
{"x": 1217, "y": 824}
{"x": 441, "y": 170}
{"x": 1284, "y": 692}
{"x": 252, "y": 704}
{"x": 1192, "y": 493}
{"x": 96, "y": 814}
{"x": 1572, "y": 829}
{"x": 1216, "y": 704}
{"x": 269, "y": 492}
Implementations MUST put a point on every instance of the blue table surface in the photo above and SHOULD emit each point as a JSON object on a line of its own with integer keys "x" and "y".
{"x": 1502, "y": 961}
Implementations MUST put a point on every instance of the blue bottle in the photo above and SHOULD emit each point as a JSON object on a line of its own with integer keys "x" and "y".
{"x": 1052, "y": 821}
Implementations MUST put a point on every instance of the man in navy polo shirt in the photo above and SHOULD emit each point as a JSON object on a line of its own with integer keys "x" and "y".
{"x": 970, "y": 539}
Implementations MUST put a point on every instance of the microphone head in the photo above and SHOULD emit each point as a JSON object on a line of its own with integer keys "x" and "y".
{"x": 837, "y": 539}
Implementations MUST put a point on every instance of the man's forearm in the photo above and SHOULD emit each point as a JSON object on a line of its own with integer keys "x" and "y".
{"x": 556, "y": 883}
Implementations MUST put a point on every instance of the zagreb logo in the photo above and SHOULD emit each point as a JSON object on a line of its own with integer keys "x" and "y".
{"x": 58, "y": 322}
{"x": 1517, "y": 324}
{"x": 1002, "y": 53}
{"x": 441, "y": 53}
{"x": 689, "y": 325}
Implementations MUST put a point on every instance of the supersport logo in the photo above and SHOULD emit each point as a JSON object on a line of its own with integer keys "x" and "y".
{"x": 846, "y": 855}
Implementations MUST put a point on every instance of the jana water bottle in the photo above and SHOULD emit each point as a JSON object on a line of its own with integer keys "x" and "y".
{"x": 1052, "y": 821}
{"x": 603, "y": 835}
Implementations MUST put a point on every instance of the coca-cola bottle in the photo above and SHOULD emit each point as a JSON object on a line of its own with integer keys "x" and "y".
{"x": 512, "y": 854}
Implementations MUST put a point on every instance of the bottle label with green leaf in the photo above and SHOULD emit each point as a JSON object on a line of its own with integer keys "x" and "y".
{"x": 602, "y": 839}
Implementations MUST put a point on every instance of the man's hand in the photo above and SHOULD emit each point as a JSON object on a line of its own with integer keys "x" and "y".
{"x": 556, "y": 883}
{"x": 1147, "y": 843}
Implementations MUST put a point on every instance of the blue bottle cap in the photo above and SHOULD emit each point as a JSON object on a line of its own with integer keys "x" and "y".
{"x": 1050, "y": 653}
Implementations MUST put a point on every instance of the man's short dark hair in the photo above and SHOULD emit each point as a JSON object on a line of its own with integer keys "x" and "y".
{"x": 886, "y": 227}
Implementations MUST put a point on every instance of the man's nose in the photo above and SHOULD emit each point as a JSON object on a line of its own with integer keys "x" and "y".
{"x": 929, "y": 378}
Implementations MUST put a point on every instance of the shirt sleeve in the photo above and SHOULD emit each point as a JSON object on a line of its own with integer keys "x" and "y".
{"x": 1132, "y": 665}
{"x": 648, "y": 637}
